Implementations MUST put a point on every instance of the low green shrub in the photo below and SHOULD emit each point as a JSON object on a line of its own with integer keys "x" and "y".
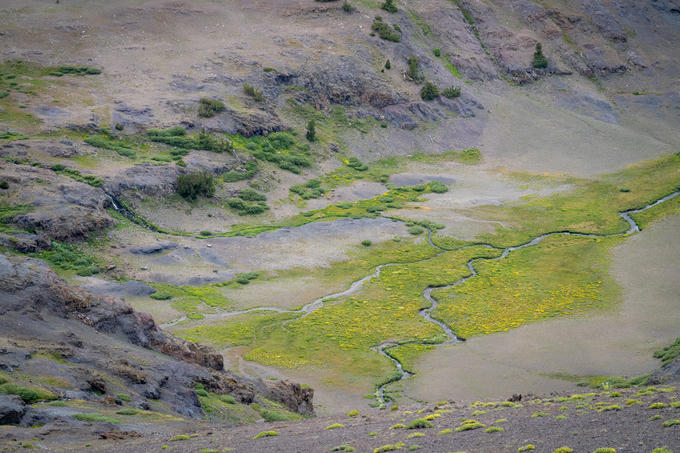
{"x": 253, "y": 92}
{"x": 429, "y": 92}
{"x": 385, "y": 31}
{"x": 251, "y": 195}
{"x": 128, "y": 411}
{"x": 451, "y": 92}
{"x": 419, "y": 423}
{"x": 389, "y": 6}
{"x": 669, "y": 353}
{"x": 266, "y": 434}
{"x": 29, "y": 395}
{"x": 208, "y": 108}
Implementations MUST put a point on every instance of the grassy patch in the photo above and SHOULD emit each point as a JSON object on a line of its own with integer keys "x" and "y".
{"x": 95, "y": 418}
{"x": 70, "y": 259}
{"x": 266, "y": 434}
{"x": 669, "y": 353}
{"x": 561, "y": 276}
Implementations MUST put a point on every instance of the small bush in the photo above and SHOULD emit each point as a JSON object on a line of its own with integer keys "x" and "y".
{"x": 180, "y": 437}
{"x": 253, "y": 92}
{"x": 390, "y": 447}
{"x": 366, "y": 243}
{"x": 528, "y": 447}
{"x": 669, "y": 353}
{"x": 437, "y": 52}
{"x": 414, "y": 69}
{"x": 347, "y": 7}
{"x": 671, "y": 422}
{"x": 4, "y": 185}
{"x": 343, "y": 447}
{"x": 469, "y": 425}
{"x": 451, "y": 92}
{"x": 657, "y": 406}
{"x": 266, "y": 434}
{"x": 429, "y": 92}
{"x": 385, "y": 31}
{"x": 311, "y": 131}
{"x": 77, "y": 70}
{"x": 415, "y": 230}
{"x": 335, "y": 426}
{"x": 161, "y": 295}
{"x": 208, "y": 108}
{"x": 389, "y": 6}
{"x": 388, "y": 65}
{"x": 246, "y": 277}
{"x": 251, "y": 195}
{"x": 438, "y": 187}
{"x": 539, "y": 60}
{"x": 419, "y": 423}
{"x": 273, "y": 416}
{"x": 356, "y": 164}
{"x": 563, "y": 450}
{"x": 234, "y": 175}
{"x": 192, "y": 185}
{"x": 493, "y": 429}
{"x": 128, "y": 411}
{"x": 605, "y": 450}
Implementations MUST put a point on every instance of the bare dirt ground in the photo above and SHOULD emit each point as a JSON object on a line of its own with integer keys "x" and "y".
{"x": 616, "y": 343}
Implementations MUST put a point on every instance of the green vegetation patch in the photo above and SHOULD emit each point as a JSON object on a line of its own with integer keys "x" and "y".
{"x": 69, "y": 258}
{"x": 280, "y": 148}
{"x": 669, "y": 353}
{"x": 177, "y": 136}
{"x": 122, "y": 147}
{"x": 386, "y": 31}
{"x": 95, "y": 418}
{"x": 563, "y": 275}
{"x": 208, "y": 108}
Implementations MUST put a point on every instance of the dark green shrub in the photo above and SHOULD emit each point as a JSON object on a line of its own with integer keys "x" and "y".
{"x": 268, "y": 69}
{"x": 437, "y": 52}
{"x": 366, "y": 243}
{"x": 429, "y": 92}
{"x": 3, "y": 94}
{"x": 311, "y": 189}
{"x": 68, "y": 257}
{"x": 356, "y": 164}
{"x": 244, "y": 208}
{"x": 251, "y": 195}
{"x": 415, "y": 230}
{"x": 669, "y": 353}
{"x": 437, "y": 187}
{"x": 347, "y": 7}
{"x": 273, "y": 416}
{"x": 385, "y": 31}
{"x": 253, "y": 92}
{"x": 191, "y": 185}
{"x": 161, "y": 295}
{"x": 389, "y": 6}
{"x": 311, "y": 131}
{"x": 77, "y": 70}
{"x": 119, "y": 127}
{"x": 4, "y": 185}
{"x": 209, "y": 107}
{"x": 388, "y": 65}
{"x": 419, "y": 423}
{"x": 413, "y": 69}
{"x": 451, "y": 92}
{"x": 539, "y": 59}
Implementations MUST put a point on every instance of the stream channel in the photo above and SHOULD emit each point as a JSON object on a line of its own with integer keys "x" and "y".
{"x": 384, "y": 347}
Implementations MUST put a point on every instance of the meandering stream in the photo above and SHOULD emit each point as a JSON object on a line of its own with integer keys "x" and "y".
{"x": 427, "y": 294}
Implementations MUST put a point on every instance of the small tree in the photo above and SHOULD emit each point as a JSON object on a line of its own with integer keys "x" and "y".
{"x": 388, "y": 65}
{"x": 347, "y": 7}
{"x": 413, "y": 69}
{"x": 451, "y": 92}
{"x": 389, "y": 6}
{"x": 429, "y": 92}
{"x": 539, "y": 59}
{"x": 311, "y": 131}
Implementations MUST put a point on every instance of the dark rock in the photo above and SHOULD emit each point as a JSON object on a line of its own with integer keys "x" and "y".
{"x": 152, "y": 180}
{"x": 25, "y": 243}
{"x": 12, "y": 408}
{"x": 34, "y": 417}
{"x": 604, "y": 21}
